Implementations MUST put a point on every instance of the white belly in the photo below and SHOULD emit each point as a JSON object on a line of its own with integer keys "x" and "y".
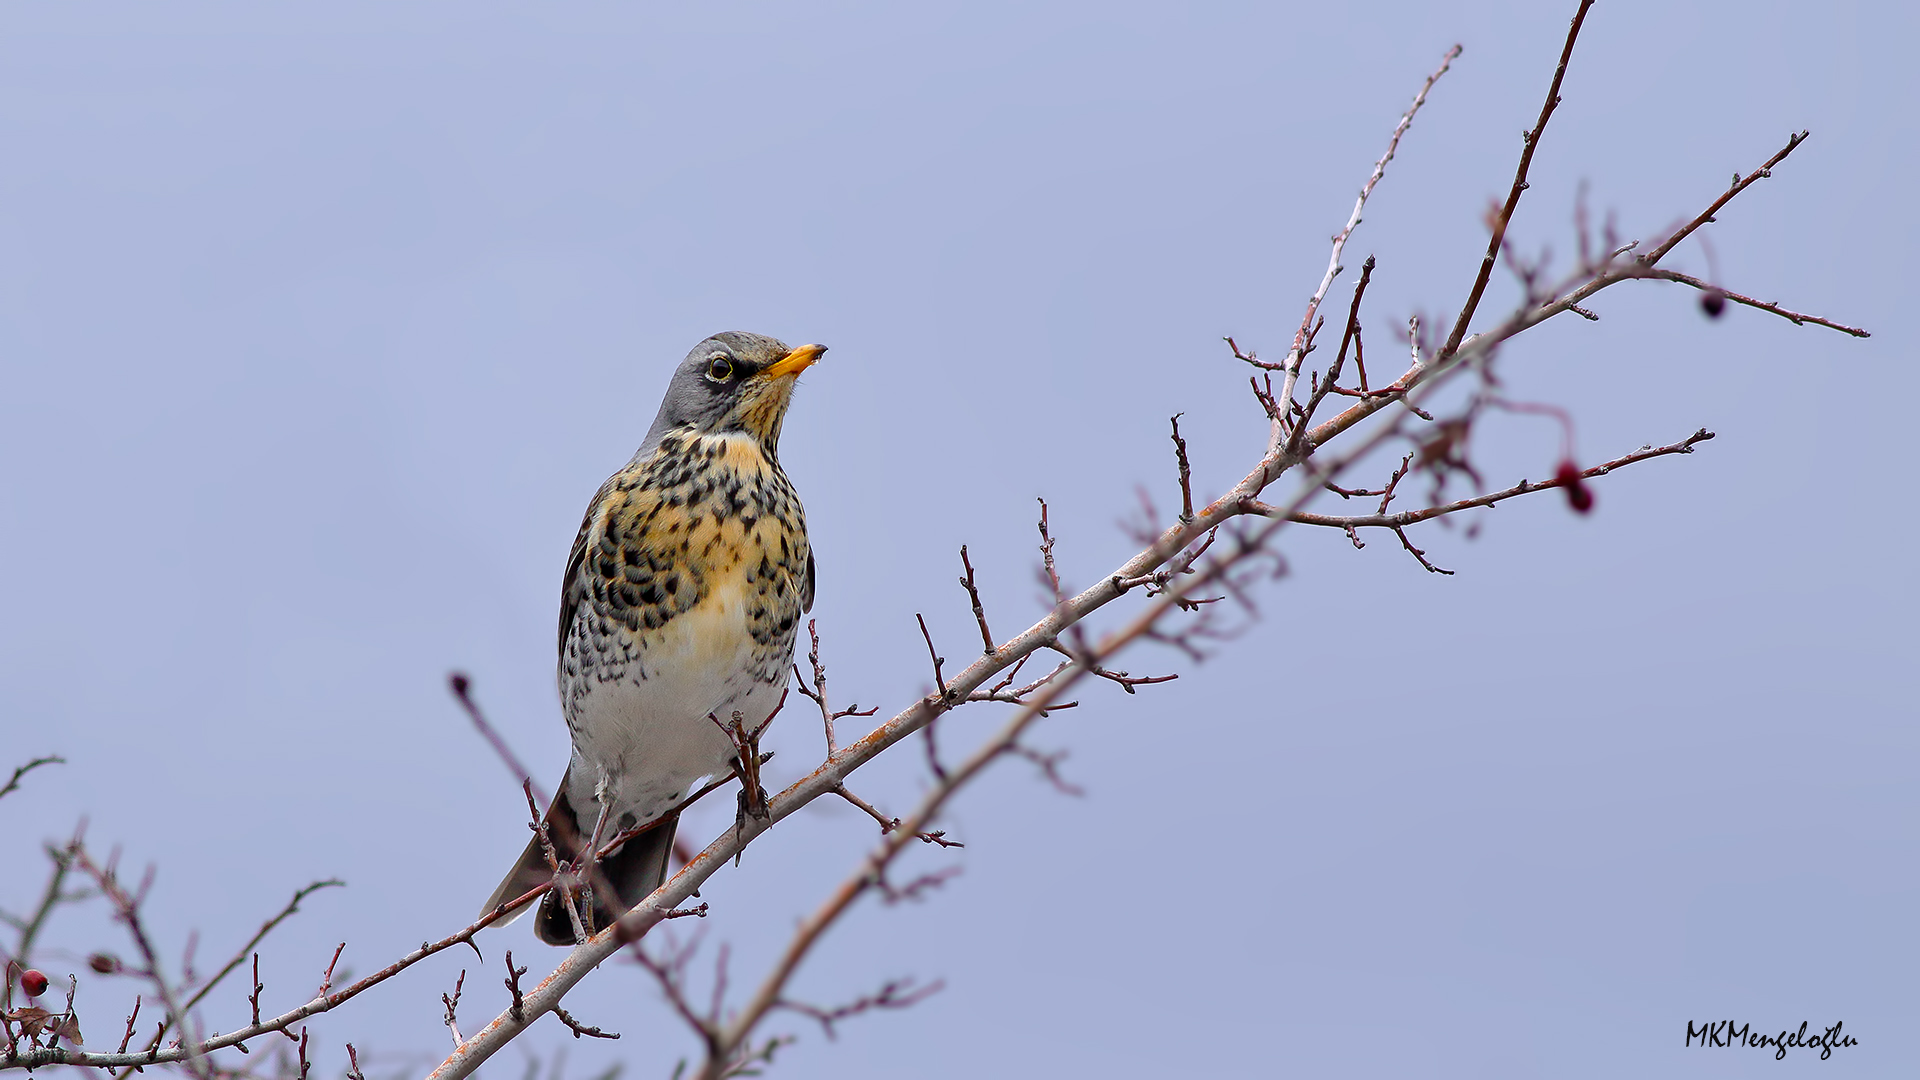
{"x": 649, "y": 734}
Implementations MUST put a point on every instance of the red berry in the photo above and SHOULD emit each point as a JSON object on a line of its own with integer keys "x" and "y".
{"x": 33, "y": 982}
{"x": 1713, "y": 302}
{"x": 1579, "y": 496}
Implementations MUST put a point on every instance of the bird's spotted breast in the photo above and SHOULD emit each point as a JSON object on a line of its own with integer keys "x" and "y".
{"x": 687, "y": 584}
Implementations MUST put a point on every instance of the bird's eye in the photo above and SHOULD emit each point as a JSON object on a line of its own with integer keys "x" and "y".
{"x": 720, "y": 369}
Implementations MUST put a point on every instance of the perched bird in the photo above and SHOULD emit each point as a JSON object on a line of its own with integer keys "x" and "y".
{"x": 678, "y": 609}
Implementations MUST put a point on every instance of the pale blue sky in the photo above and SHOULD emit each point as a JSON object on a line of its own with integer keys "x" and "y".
{"x": 319, "y": 327}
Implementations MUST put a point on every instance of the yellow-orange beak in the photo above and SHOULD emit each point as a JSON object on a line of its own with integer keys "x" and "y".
{"x": 794, "y": 362}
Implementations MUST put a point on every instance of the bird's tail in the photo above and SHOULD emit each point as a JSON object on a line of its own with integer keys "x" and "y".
{"x": 632, "y": 873}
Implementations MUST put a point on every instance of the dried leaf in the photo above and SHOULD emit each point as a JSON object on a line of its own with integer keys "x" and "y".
{"x": 35, "y": 1021}
{"x": 32, "y": 1020}
{"x": 68, "y": 1028}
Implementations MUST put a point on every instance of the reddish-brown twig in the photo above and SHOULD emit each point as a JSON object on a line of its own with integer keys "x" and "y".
{"x": 1797, "y": 318}
{"x": 580, "y": 1029}
{"x": 973, "y": 596}
{"x": 1531, "y": 143}
{"x": 462, "y": 688}
{"x": 1186, "y": 473}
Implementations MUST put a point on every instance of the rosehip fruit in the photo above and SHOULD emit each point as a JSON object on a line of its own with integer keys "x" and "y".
{"x": 33, "y": 982}
{"x": 1579, "y": 496}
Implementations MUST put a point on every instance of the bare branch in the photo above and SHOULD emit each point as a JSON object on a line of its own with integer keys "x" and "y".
{"x": 462, "y": 687}
{"x": 1049, "y": 766}
{"x": 13, "y": 783}
{"x": 126, "y": 908}
{"x": 1530, "y": 143}
{"x": 131, "y": 1017}
{"x": 518, "y": 1008}
{"x": 1047, "y": 565}
{"x": 1320, "y": 391}
{"x": 1524, "y": 487}
{"x": 1794, "y": 317}
{"x": 187, "y": 1050}
{"x": 452, "y": 1002}
{"x": 293, "y": 906}
{"x": 973, "y": 595}
{"x": 818, "y": 695}
{"x": 1186, "y": 472}
{"x": 580, "y": 1029}
{"x": 888, "y": 824}
{"x": 897, "y": 994}
{"x": 938, "y": 679}
{"x": 1740, "y": 184}
{"x": 50, "y": 898}
{"x": 1302, "y": 338}
{"x": 1417, "y": 553}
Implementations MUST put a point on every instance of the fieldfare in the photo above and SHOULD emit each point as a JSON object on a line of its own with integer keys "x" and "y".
{"x": 678, "y": 610}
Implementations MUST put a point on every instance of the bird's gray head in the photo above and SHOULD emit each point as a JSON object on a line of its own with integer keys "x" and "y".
{"x": 733, "y": 381}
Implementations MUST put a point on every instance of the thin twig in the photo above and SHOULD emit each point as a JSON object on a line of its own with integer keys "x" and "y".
{"x": 462, "y": 688}
{"x": 1740, "y": 184}
{"x": 1300, "y": 342}
{"x": 580, "y": 1029}
{"x": 293, "y": 907}
{"x": 888, "y": 824}
{"x": 897, "y": 994}
{"x": 1350, "y": 336}
{"x": 1186, "y": 471}
{"x": 973, "y": 595}
{"x": 938, "y": 679}
{"x": 1795, "y": 317}
{"x": 1525, "y": 487}
{"x": 13, "y": 783}
{"x": 452, "y": 1003}
{"x": 1505, "y": 217}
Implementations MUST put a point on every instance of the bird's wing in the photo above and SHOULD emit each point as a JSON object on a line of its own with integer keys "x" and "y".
{"x": 806, "y": 589}
{"x": 571, "y": 587}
